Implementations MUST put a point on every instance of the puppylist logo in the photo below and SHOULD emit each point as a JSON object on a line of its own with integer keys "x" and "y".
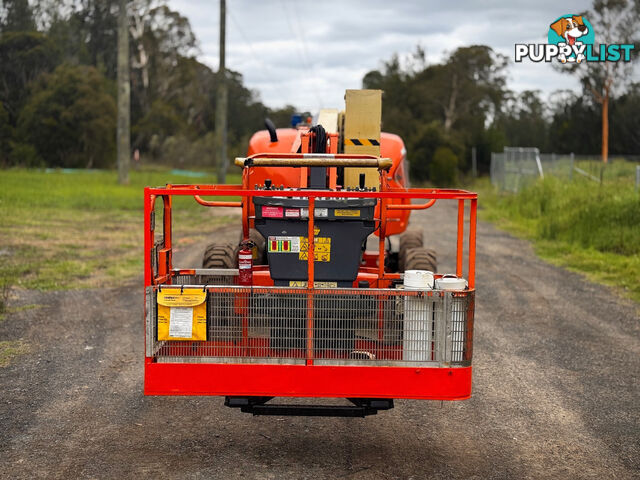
{"x": 571, "y": 40}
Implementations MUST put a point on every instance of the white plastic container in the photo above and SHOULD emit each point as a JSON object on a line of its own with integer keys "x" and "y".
{"x": 418, "y": 317}
{"x": 418, "y": 279}
{"x": 457, "y": 316}
{"x": 451, "y": 283}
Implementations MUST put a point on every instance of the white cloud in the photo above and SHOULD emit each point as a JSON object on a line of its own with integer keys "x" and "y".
{"x": 307, "y": 53}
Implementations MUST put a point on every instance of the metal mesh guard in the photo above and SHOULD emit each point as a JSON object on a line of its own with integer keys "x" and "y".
{"x": 331, "y": 326}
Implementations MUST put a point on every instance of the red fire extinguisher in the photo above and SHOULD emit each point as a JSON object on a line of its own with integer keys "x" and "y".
{"x": 245, "y": 263}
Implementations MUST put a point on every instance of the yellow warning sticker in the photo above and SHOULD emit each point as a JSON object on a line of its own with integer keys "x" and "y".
{"x": 321, "y": 249}
{"x": 347, "y": 213}
{"x": 373, "y": 142}
{"x": 297, "y": 283}
{"x": 317, "y": 256}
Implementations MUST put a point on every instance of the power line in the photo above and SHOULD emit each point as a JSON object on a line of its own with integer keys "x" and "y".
{"x": 261, "y": 64}
{"x": 306, "y": 53}
{"x": 300, "y": 52}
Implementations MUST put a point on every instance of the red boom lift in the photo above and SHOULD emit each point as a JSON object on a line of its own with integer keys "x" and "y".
{"x": 301, "y": 308}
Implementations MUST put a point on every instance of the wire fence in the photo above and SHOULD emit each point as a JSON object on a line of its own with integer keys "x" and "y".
{"x": 518, "y": 167}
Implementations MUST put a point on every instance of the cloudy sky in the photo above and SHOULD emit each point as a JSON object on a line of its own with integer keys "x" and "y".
{"x": 307, "y": 53}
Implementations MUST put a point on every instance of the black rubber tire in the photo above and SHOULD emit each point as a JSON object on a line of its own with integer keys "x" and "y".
{"x": 217, "y": 246}
{"x": 421, "y": 259}
{"x": 219, "y": 255}
{"x": 408, "y": 240}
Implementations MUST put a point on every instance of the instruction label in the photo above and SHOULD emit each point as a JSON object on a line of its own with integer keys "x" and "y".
{"x": 182, "y": 314}
{"x": 181, "y": 322}
{"x": 319, "y": 212}
{"x": 284, "y": 244}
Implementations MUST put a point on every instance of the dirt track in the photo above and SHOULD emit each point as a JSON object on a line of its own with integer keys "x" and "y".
{"x": 556, "y": 387}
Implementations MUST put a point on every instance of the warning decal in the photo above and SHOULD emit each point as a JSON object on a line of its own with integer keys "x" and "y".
{"x": 300, "y": 245}
{"x": 321, "y": 249}
{"x": 269, "y": 211}
{"x": 303, "y": 284}
{"x": 283, "y": 244}
{"x": 347, "y": 213}
{"x": 362, "y": 141}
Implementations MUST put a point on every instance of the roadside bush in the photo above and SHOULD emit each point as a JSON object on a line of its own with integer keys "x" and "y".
{"x": 181, "y": 152}
{"x": 443, "y": 169}
{"x": 5, "y": 290}
{"x": 590, "y": 228}
{"x": 70, "y": 119}
{"x": 24, "y": 155}
{"x": 424, "y": 143}
{"x": 606, "y": 217}
{"x": 155, "y": 127}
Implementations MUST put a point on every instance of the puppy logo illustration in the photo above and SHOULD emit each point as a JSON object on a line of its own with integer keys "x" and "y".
{"x": 570, "y": 30}
{"x": 571, "y": 40}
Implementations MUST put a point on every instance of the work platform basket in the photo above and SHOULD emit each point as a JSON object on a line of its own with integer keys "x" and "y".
{"x": 373, "y": 339}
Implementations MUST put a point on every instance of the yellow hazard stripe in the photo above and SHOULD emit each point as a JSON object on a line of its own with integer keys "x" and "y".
{"x": 362, "y": 141}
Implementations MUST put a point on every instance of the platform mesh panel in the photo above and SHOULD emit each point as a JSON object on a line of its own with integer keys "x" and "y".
{"x": 330, "y": 326}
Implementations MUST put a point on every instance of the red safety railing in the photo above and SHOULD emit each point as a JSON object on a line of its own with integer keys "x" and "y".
{"x": 287, "y": 379}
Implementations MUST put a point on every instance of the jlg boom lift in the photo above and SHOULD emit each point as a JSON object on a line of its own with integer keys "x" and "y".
{"x": 318, "y": 299}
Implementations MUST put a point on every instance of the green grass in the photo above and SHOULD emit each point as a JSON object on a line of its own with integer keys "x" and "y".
{"x": 81, "y": 229}
{"x": 95, "y": 191}
{"x": 580, "y": 225}
{"x": 10, "y": 349}
{"x": 617, "y": 170}
{"x": 21, "y": 308}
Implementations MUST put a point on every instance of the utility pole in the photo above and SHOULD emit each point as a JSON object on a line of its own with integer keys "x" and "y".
{"x": 474, "y": 163}
{"x": 123, "y": 134}
{"x": 221, "y": 103}
{"x": 605, "y": 122}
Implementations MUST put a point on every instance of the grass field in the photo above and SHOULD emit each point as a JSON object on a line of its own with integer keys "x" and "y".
{"x": 61, "y": 229}
{"x": 589, "y": 228}
{"x": 80, "y": 229}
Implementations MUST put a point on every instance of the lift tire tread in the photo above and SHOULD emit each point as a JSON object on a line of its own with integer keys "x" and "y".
{"x": 219, "y": 255}
{"x": 421, "y": 259}
{"x": 408, "y": 240}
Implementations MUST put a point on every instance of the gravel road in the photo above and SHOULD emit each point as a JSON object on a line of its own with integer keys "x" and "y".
{"x": 556, "y": 387}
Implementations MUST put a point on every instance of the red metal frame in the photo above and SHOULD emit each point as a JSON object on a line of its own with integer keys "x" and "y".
{"x": 309, "y": 380}
{"x": 304, "y": 381}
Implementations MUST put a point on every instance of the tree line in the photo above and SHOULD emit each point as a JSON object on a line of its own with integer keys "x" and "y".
{"x": 443, "y": 110}
{"x": 58, "y": 67}
{"x": 463, "y": 102}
